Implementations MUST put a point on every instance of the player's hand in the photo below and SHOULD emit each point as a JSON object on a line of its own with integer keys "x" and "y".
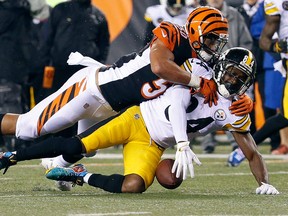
{"x": 183, "y": 160}
{"x": 266, "y": 189}
{"x": 208, "y": 88}
{"x": 281, "y": 46}
{"x": 242, "y": 106}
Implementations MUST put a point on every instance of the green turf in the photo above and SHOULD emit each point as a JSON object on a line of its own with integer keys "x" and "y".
{"x": 215, "y": 190}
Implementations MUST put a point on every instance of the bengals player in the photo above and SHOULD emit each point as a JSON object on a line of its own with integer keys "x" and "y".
{"x": 95, "y": 93}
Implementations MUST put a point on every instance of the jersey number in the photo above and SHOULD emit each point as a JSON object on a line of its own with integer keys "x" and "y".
{"x": 193, "y": 125}
{"x": 155, "y": 88}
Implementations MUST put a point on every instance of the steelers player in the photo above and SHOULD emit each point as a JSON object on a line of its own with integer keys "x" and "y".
{"x": 276, "y": 22}
{"x": 147, "y": 130}
{"x": 174, "y": 11}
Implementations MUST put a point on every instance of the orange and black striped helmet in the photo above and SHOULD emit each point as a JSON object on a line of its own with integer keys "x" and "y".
{"x": 203, "y": 21}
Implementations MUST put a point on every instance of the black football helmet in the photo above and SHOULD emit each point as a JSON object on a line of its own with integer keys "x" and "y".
{"x": 235, "y": 71}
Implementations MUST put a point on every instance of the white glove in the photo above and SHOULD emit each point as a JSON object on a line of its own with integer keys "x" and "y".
{"x": 183, "y": 159}
{"x": 266, "y": 189}
{"x": 76, "y": 58}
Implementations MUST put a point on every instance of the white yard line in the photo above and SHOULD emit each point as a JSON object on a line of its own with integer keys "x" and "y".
{"x": 116, "y": 213}
{"x": 120, "y": 156}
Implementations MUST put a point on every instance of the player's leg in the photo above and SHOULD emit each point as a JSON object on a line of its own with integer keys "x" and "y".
{"x": 77, "y": 99}
{"x": 146, "y": 154}
{"x": 130, "y": 129}
{"x": 139, "y": 149}
{"x": 97, "y": 137}
{"x": 275, "y": 123}
{"x": 25, "y": 127}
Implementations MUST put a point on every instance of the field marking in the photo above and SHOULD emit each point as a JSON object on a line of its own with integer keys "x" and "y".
{"x": 116, "y": 213}
{"x": 221, "y": 156}
{"x": 241, "y": 174}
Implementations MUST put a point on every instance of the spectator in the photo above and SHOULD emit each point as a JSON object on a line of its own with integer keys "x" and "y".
{"x": 40, "y": 12}
{"x": 73, "y": 26}
{"x": 15, "y": 54}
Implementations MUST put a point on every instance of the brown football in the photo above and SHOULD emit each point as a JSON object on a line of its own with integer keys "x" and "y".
{"x": 164, "y": 175}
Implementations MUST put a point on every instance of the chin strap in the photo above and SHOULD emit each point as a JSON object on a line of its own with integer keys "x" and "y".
{"x": 223, "y": 91}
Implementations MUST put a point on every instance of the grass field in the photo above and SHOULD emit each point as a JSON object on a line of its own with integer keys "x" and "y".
{"x": 215, "y": 190}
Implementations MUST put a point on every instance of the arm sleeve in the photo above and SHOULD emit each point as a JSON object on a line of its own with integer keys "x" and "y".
{"x": 177, "y": 112}
{"x": 168, "y": 34}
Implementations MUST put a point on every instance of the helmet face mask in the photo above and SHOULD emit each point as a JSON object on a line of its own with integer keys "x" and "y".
{"x": 175, "y": 7}
{"x": 211, "y": 46}
{"x": 207, "y": 31}
{"x": 234, "y": 72}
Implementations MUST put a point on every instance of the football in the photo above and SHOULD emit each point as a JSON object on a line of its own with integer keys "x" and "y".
{"x": 164, "y": 175}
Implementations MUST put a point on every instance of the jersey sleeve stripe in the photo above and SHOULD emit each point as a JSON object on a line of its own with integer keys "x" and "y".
{"x": 271, "y": 9}
{"x": 242, "y": 125}
{"x": 240, "y": 121}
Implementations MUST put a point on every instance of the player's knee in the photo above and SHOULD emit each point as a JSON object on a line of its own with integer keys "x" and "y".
{"x": 133, "y": 184}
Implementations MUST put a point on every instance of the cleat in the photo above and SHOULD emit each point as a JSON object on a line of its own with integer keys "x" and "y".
{"x": 48, "y": 163}
{"x": 74, "y": 174}
{"x": 235, "y": 158}
{"x": 7, "y": 159}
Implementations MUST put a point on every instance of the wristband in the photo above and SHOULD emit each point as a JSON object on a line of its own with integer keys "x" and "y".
{"x": 194, "y": 81}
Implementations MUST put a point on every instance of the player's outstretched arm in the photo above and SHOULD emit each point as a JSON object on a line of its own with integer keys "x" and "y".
{"x": 256, "y": 162}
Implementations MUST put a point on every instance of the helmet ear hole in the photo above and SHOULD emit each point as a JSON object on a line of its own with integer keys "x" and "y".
{"x": 196, "y": 45}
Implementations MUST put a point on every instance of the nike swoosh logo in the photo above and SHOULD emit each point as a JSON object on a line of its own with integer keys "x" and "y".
{"x": 163, "y": 34}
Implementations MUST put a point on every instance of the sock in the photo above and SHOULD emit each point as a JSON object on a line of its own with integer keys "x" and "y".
{"x": 66, "y": 160}
{"x": 271, "y": 126}
{"x": 60, "y": 161}
{"x": 50, "y": 147}
{"x": 112, "y": 183}
{"x": 72, "y": 158}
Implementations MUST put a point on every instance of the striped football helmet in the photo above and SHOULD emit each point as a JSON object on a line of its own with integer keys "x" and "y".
{"x": 207, "y": 30}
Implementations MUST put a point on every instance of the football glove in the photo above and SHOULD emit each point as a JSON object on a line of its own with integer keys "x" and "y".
{"x": 266, "y": 189}
{"x": 280, "y": 46}
{"x": 242, "y": 106}
{"x": 183, "y": 160}
{"x": 208, "y": 88}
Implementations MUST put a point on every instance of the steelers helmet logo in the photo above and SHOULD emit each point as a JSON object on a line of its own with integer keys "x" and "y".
{"x": 285, "y": 5}
{"x": 220, "y": 115}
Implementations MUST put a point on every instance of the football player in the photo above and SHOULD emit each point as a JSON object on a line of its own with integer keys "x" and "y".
{"x": 174, "y": 11}
{"x": 147, "y": 130}
{"x": 276, "y": 21}
{"x": 95, "y": 93}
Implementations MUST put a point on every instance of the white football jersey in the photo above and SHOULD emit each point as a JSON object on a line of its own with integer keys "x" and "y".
{"x": 279, "y": 7}
{"x": 179, "y": 116}
{"x": 158, "y": 13}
